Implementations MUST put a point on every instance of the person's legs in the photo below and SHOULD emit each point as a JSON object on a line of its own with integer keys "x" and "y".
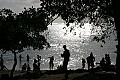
{"x": 50, "y": 66}
{"x": 92, "y": 64}
{"x": 88, "y": 66}
{"x": 83, "y": 65}
{"x": 65, "y": 63}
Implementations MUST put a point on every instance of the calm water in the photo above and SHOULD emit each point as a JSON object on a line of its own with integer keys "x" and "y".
{"x": 79, "y": 46}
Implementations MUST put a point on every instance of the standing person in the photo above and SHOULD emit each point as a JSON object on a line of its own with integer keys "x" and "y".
{"x": 88, "y": 62}
{"x": 51, "y": 62}
{"x": 108, "y": 61}
{"x": 65, "y": 55}
{"x": 38, "y": 60}
{"x": 92, "y": 60}
{"x": 35, "y": 67}
{"x": 83, "y": 63}
{"x": 28, "y": 68}
{"x": 102, "y": 63}
{"x": 107, "y": 58}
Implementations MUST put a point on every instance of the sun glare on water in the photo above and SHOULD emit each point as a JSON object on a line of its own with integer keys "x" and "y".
{"x": 77, "y": 32}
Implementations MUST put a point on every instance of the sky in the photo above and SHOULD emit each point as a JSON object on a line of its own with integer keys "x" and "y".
{"x": 17, "y": 6}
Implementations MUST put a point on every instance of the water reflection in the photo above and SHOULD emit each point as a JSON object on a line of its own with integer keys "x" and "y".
{"x": 79, "y": 46}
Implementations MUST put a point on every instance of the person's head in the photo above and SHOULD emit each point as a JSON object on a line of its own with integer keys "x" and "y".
{"x": 24, "y": 63}
{"x": 103, "y": 58}
{"x": 35, "y": 61}
{"x": 37, "y": 56}
{"x": 91, "y": 54}
{"x": 105, "y": 55}
{"x": 64, "y": 46}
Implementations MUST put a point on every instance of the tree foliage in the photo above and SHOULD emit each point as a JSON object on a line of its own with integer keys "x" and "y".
{"x": 23, "y": 30}
{"x": 76, "y": 10}
{"x": 99, "y": 13}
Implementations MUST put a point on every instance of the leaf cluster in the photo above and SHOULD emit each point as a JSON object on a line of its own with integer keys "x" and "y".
{"x": 97, "y": 12}
{"x": 23, "y": 30}
{"x": 76, "y": 10}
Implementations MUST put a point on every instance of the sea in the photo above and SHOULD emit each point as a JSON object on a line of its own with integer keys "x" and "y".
{"x": 78, "y": 42}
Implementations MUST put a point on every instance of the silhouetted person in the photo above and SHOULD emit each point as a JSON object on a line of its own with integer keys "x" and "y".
{"x": 24, "y": 67}
{"x": 51, "y": 63}
{"x": 65, "y": 55}
{"x": 28, "y": 68}
{"x": 102, "y": 63}
{"x": 38, "y": 60}
{"x": 83, "y": 63}
{"x": 28, "y": 57}
{"x": 107, "y": 59}
{"x": 90, "y": 61}
{"x": 35, "y": 67}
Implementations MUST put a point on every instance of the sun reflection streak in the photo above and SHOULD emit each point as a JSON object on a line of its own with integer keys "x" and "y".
{"x": 77, "y": 41}
{"x": 77, "y": 32}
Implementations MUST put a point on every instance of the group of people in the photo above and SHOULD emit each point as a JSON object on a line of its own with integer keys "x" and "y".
{"x": 25, "y": 66}
{"x": 90, "y": 61}
{"x": 66, "y": 55}
{"x": 51, "y": 64}
{"x": 36, "y": 64}
{"x": 104, "y": 63}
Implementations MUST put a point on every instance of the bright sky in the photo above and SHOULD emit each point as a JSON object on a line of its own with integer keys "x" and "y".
{"x": 17, "y": 6}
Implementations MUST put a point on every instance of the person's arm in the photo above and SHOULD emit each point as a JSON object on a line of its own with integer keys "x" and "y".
{"x": 62, "y": 55}
{"x": 49, "y": 57}
{"x": 94, "y": 58}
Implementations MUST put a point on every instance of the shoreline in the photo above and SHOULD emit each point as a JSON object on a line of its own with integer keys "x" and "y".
{"x": 58, "y": 75}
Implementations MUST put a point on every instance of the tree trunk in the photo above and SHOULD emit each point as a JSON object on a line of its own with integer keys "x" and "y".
{"x": 14, "y": 65}
{"x": 116, "y": 7}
